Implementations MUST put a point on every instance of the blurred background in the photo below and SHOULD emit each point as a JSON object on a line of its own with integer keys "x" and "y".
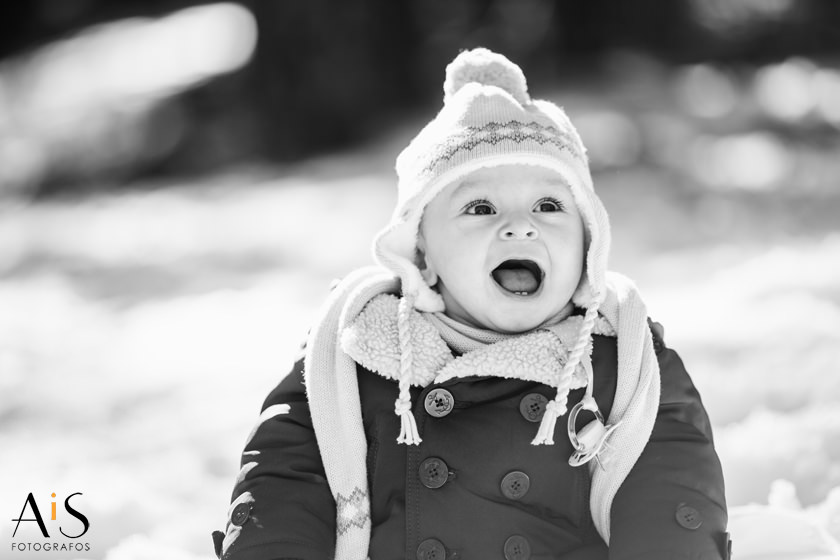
{"x": 180, "y": 181}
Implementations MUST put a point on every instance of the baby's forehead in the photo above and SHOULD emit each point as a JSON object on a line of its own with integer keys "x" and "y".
{"x": 509, "y": 181}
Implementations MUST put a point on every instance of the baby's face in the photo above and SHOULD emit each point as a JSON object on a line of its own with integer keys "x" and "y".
{"x": 507, "y": 245}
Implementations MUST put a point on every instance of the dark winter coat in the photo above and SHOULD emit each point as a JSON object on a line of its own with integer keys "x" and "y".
{"x": 475, "y": 488}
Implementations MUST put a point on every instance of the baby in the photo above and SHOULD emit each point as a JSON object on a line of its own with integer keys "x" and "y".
{"x": 491, "y": 319}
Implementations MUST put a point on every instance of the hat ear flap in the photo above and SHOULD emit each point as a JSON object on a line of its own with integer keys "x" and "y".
{"x": 415, "y": 284}
{"x": 429, "y": 276}
{"x": 390, "y": 249}
{"x": 420, "y": 282}
{"x": 583, "y": 296}
{"x": 429, "y": 300}
{"x": 426, "y": 271}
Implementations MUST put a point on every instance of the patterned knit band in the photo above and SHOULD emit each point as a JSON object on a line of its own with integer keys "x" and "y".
{"x": 507, "y": 137}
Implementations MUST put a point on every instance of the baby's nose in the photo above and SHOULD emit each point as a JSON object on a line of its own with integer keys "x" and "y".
{"x": 519, "y": 228}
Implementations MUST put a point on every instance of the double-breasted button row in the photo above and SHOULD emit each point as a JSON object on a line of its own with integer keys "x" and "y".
{"x": 439, "y": 402}
{"x": 516, "y": 547}
{"x": 434, "y": 473}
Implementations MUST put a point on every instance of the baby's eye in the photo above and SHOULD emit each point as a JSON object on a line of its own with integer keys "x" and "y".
{"x": 479, "y": 208}
{"x": 549, "y": 205}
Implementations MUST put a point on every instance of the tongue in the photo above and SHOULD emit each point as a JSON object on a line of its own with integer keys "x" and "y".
{"x": 516, "y": 279}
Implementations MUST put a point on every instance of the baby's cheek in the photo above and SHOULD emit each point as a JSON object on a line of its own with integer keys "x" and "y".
{"x": 457, "y": 265}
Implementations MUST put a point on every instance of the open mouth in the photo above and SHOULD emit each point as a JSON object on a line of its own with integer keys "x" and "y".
{"x": 519, "y": 277}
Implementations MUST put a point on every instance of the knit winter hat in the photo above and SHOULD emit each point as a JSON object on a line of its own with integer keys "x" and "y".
{"x": 488, "y": 119}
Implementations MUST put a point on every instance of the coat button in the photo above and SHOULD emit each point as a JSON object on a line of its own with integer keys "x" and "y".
{"x": 517, "y": 548}
{"x": 433, "y": 472}
{"x": 439, "y": 403}
{"x": 688, "y": 517}
{"x": 431, "y": 549}
{"x": 532, "y": 407}
{"x": 515, "y": 485}
{"x": 240, "y": 514}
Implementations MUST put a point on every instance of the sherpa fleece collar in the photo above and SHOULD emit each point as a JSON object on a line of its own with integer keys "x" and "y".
{"x": 372, "y": 340}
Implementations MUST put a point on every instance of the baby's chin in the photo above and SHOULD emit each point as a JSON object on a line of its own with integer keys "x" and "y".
{"x": 513, "y": 324}
{"x": 508, "y": 316}
{"x": 518, "y": 321}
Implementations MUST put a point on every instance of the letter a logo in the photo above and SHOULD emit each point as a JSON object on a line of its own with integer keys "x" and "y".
{"x": 31, "y": 501}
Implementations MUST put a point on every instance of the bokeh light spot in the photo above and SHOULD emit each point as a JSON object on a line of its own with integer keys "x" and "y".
{"x": 784, "y": 90}
{"x": 705, "y": 91}
{"x": 753, "y": 161}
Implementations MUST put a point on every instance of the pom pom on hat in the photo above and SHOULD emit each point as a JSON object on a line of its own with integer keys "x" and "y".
{"x": 486, "y": 68}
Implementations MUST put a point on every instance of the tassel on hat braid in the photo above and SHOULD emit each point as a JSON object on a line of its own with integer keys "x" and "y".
{"x": 557, "y": 407}
{"x": 402, "y": 407}
{"x": 553, "y": 410}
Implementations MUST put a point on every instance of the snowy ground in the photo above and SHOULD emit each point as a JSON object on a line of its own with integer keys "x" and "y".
{"x": 140, "y": 332}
